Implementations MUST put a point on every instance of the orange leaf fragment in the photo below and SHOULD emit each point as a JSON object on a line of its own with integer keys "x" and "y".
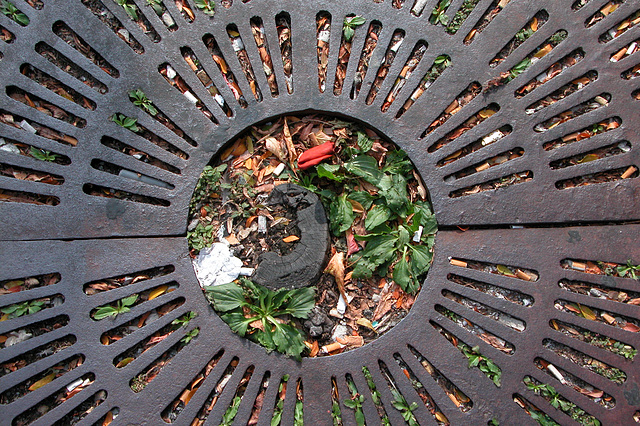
{"x": 108, "y": 419}
{"x": 40, "y": 383}
{"x": 158, "y": 291}
{"x": 631, "y": 327}
{"x": 290, "y": 238}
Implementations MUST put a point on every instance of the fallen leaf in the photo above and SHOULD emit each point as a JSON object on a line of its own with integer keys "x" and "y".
{"x": 108, "y": 419}
{"x": 587, "y": 313}
{"x": 505, "y": 271}
{"x": 289, "y": 143}
{"x": 315, "y": 348}
{"x": 277, "y": 148}
{"x": 596, "y": 393}
{"x": 634, "y": 301}
{"x": 352, "y": 245}
{"x": 158, "y": 291}
{"x": 335, "y": 267}
{"x": 290, "y": 238}
{"x": 572, "y": 308}
{"x": 232, "y": 239}
{"x": 486, "y": 113}
{"x": 608, "y": 318}
{"x": 124, "y": 362}
{"x": 40, "y": 383}
{"x": 631, "y": 327}
{"x": 366, "y": 323}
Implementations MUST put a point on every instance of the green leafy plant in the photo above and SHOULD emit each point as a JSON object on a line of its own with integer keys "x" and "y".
{"x": 263, "y": 306}
{"x": 129, "y": 8}
{"x": 519, "y": 68}
{"x": 462, "y": 14}
{"x": 190, "y": 335}
{"x": 349, "y": 26}
{"x": 121, "y": 306}
{"x": 7, "y": 8}
{"x": 128, "y": 123}
{"x": 157, "y": 7}
{"x": 277, "y": 410}
{"x": 375, "y": 396}
{"x": 633, "y": 271}
{"x": 25, "y": 308}
{"x": 625, "y": 350}
{"x": 232, "y": 410}
{"x": 208, "y": 183}
{"x": 208, "y": 7}
{"x": 406, "y": 409}
{"x": 336, "y": 413}
{"x": 486, "y": 365}
{"x": 139, "y": 99}
{"x": 184, "y": 320}
{"x": 556, "y": 400}
{"x": 523, "y": 34}
{"x": 41, "y": 154}
{"x": 298, "y": 414}
{"x": 355, "y": 403}
{"x": 556, "y": 38}
{"x": 438, "y": 13}
{"x": 494, "y": 422}
{"x": 614, "y": 374}
{"x": 386, "y": 247}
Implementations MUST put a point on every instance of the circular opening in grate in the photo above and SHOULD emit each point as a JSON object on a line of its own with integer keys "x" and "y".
{"x": 311, "y": 234}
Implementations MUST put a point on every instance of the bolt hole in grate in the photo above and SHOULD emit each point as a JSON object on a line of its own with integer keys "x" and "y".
{"x": 520, "y": 117}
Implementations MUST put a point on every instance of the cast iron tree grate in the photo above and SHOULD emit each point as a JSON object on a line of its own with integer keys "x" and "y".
{"x": 517, "y": 114}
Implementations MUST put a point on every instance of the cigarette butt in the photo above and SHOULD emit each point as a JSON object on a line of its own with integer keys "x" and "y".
{"x": 482, "y": 167}
{"x": 578, "y": 266}
{"x": 627, "y": 173}
{"x": 331, "y": 347}
{"x": 460, "y": 263}
{"x": 522, "y": 275}
{"x": 556, "y": 373}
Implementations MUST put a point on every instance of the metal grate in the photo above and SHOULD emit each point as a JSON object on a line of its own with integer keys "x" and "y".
{"x": 500, "y": 136}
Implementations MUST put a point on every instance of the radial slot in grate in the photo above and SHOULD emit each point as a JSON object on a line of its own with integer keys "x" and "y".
{"x": 515, "y": 115}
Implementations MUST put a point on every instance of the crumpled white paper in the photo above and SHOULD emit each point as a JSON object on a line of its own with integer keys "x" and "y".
{"x": 216, "y": 265}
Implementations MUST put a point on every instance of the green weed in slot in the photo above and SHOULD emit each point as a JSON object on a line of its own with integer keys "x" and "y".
{"x": 8, "y": 9}
{"x": 121, "y": 306}
{"x": 349, "y": 26}
{"x": 208, "y": 7}
{"x": 139, "y": 99}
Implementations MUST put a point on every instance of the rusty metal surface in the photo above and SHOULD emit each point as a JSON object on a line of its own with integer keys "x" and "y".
{"x": 40, "y": 239}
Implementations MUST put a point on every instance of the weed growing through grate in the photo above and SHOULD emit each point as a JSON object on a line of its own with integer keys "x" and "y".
{"x": 355, "y": 402}
{"x": 556, "y": 400}
{"x": 8, "y": 9}
{"x": 208, "y": 7}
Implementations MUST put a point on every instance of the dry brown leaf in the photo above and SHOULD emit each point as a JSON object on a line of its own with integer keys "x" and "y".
{"x": 335, "y": 267}
{"x": 277, "y": 148}
{"x": 289, "y": 143}
{"x": 290, "y": 238}
{"x": 366, "y": 323}
{"x": 631, "y": 327}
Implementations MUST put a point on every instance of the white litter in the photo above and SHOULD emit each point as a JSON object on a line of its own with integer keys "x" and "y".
{"x": 342, "y": 305}
{"x": 216, "y": 265}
